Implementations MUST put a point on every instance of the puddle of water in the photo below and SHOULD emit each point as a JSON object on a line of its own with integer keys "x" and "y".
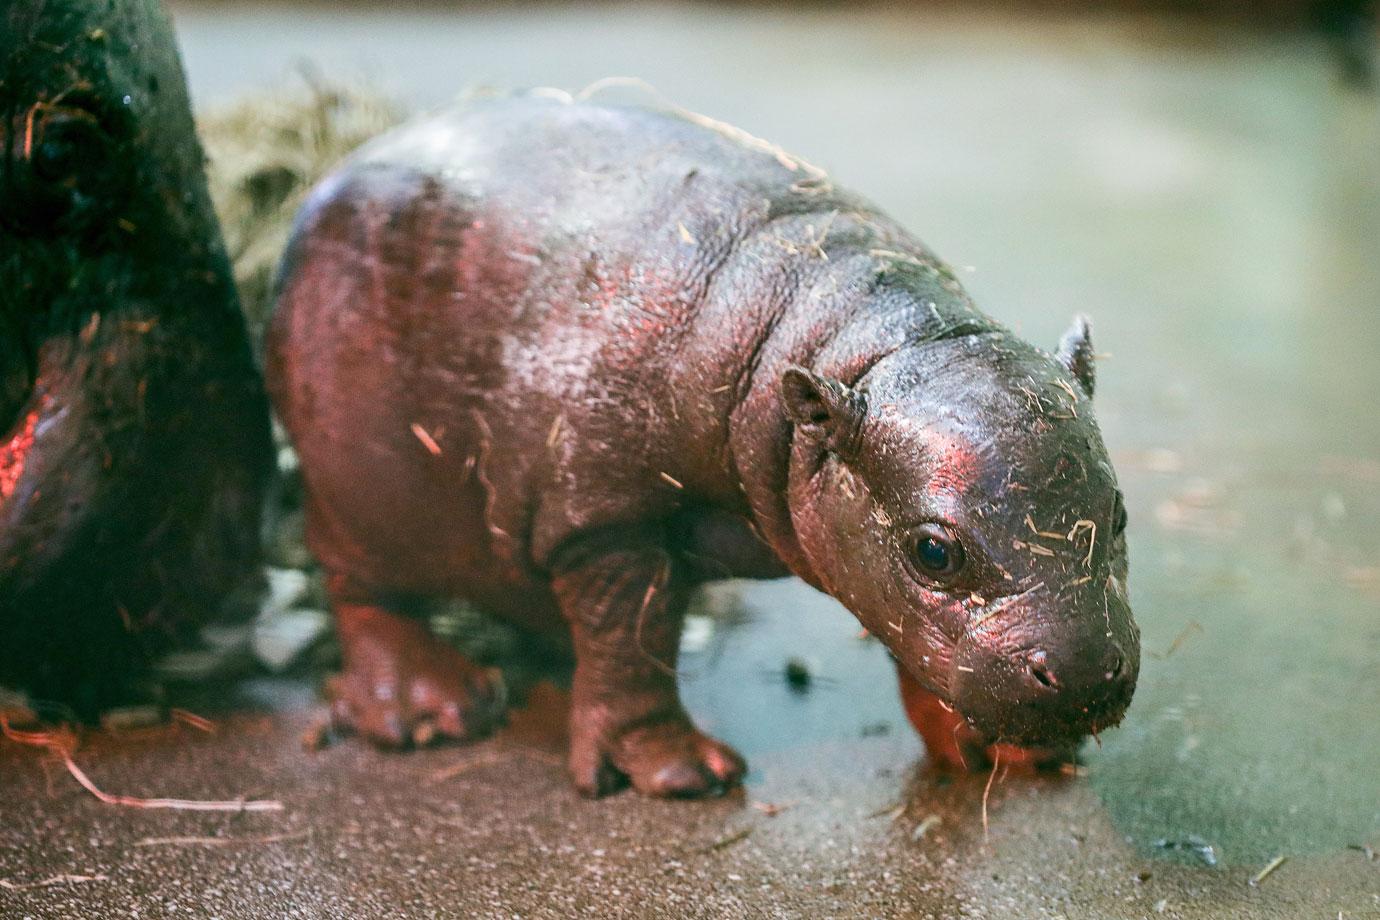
{"x": 738, "y": 686}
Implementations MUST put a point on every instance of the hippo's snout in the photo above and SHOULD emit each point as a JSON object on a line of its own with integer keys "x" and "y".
{"x": 1047, "y": 691}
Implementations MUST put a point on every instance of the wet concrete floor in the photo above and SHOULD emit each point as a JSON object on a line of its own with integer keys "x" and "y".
{"x": 1211, "y": 198}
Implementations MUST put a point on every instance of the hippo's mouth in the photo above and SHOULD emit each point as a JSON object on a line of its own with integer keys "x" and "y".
{"x": 1025, "y": 724}
{"x": 14, "y": 453}
{"x": 28, "y": 432}
{"x": 1056, "y": 686}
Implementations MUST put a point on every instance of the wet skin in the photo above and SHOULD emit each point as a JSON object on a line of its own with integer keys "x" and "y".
{"x": 134, "y": 441}
{"x": 570, "y": 360}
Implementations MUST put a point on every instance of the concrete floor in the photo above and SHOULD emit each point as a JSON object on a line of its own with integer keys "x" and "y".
{"x": 1211, "y": 198}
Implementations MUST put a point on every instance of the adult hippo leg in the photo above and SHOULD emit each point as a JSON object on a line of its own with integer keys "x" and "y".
{"x": 402, "y": 685}
{"x": 625, "y": 596}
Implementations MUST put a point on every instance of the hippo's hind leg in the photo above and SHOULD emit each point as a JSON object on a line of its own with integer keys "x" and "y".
{"x": 952, "y": 744}
{"x": 625, "y": 598}
{"x": 402, "y": 685}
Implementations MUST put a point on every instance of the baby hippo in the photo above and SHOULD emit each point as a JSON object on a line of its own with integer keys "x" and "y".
{"x": 570, "y": 360}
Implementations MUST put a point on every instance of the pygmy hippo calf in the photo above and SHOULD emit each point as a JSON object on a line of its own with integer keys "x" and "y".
{"x": 569, "y": 360}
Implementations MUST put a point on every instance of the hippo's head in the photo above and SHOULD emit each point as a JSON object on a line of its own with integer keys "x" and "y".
{"x": 959, "y": 500}
{"x": 103, "y": 204}
{"x": 133, "y": 430}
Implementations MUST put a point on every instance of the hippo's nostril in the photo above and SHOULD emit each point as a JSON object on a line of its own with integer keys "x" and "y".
{"x": 1038, "y": 664}
{"x": 1118, "y": 665}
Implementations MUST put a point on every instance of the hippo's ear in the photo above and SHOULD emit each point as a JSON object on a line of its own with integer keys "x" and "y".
{"x": 1076, "y": 353}
{"x": 822, "y": 407}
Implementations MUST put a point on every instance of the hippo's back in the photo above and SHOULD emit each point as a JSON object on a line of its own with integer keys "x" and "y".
{"x": 570, "y": 170}
{"x": 512, "y": 222}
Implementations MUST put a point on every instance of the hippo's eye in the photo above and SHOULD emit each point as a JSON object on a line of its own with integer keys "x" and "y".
{"x": 73, "y": 176}
{"x": 65, "y": 145}
{"x": 69, "y": 144}
{"x": 936, "y": 553}
{"x": 1118, "y": 517}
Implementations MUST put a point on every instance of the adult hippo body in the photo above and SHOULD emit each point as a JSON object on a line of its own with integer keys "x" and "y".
{"x": 134, "y": 430}
{"x": 568, "y": 360}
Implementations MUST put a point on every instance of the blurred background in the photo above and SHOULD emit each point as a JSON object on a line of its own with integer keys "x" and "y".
{"x": 1203, "y": 179}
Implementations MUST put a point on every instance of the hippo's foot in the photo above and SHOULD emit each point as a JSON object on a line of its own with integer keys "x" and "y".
{"x": 625, "y": 599}
{"x": 952, "y": 744}
{"x": 403, "y": 687}
{"x": 670, "y": 759}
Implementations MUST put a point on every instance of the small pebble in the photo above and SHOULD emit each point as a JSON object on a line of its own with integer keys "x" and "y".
{"x": 127, "y": 718}
{"x": 317, "y": 736}
{"x": 925, "y": 826}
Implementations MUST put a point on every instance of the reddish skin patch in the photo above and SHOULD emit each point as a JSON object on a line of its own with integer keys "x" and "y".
{"x": 14, "y": 453}
{"x": 957, "y": 468}
{"x": 954, "y": 745}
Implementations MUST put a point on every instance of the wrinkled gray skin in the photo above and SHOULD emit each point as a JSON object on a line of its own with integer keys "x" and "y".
{"x": 570, "y": 360}
{"x": 134, "y": 438}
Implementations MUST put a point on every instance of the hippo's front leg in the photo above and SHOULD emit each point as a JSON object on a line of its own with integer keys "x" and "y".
{"x": 625, "y": 599}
